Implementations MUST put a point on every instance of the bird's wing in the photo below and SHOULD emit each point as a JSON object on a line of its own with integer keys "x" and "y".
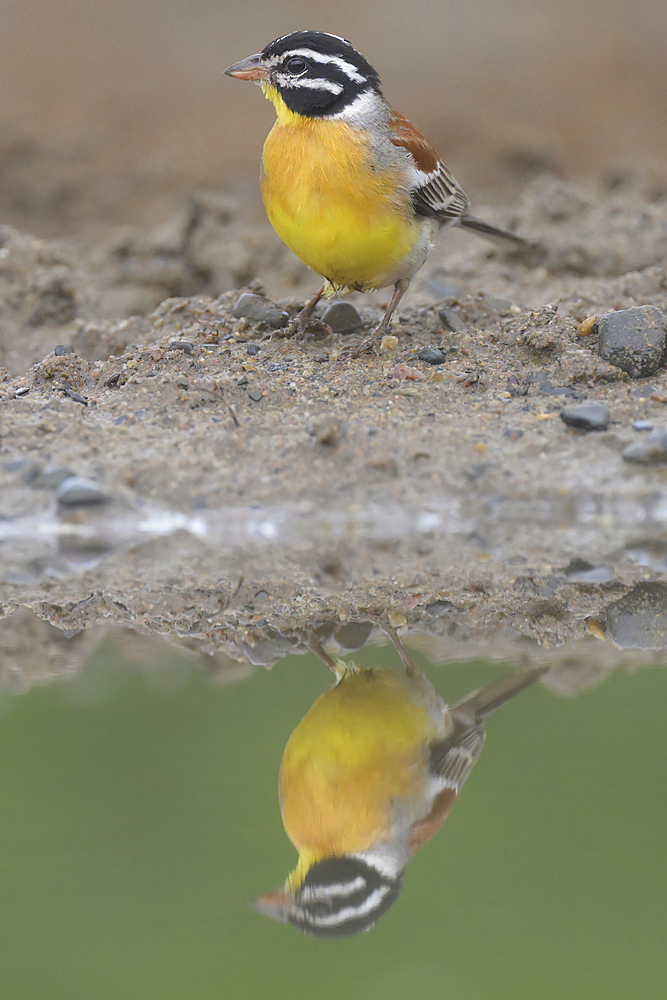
{"x": 434, "y": 191}
{"x": 450, "y": 762}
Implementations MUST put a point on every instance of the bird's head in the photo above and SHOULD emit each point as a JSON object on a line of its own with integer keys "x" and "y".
{"x": 314, "y": 74}
{"x": 337, "y": 897}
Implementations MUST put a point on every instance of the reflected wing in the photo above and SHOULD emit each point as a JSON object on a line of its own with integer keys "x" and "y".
{"x": 453, "y": 759}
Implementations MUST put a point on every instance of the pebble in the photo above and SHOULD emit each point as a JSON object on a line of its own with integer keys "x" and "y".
{"x": 639, "y": 619}
{"x": 261, "y": 310}
{"x": 328, "y": 432}
{"x": 182, "y": 345}
{"x": 432, "y": 355}
{"x": 51, "y": 477}
{"x": 581, "y": 571}
{"x": 633, "y": 339}
{"x": 256, "y": 394}
{"x": 389, "y": 342}
{"x": 436, "y": 609}
{"x": 75, "y": 491}
{"x": 18, "y": 393}
{"x": 252, "y": 349}
{"x": 643, "y": 425}
{"x": 405, "y": 371}
{"x": 500, "y": 306}
{"x": 61, "y": 349}
{"x": 588, "y": 416}
{"x": 353, "y": 635}
{"x": 452, "y": 319}
{"x": 651, "y": 451}
{"x": 342, "y": 317}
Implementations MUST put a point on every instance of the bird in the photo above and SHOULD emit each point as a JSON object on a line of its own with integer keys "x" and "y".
{"x": 351, "y": 186}
{"x": 367, "y": 777}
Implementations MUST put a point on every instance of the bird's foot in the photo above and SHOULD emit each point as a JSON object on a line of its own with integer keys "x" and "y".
{"x": 370, "y": 345}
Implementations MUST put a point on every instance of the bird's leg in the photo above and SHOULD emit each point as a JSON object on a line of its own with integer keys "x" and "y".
{"x": 300, "y": 321}
{"x": 411, "y": 668}
{"x": 371, "y": 342}
{"x": 315, "y": 647}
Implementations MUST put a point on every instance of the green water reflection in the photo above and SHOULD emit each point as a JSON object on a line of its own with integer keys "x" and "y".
{"x": 138, "y": 818}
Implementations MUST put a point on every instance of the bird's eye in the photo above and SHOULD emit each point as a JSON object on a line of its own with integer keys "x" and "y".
{"x": 296, "y": 66}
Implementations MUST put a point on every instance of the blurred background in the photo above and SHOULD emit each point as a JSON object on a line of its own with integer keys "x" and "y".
{"x": 114, "y": 113}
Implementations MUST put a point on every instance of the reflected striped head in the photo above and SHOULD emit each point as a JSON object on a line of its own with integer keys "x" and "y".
{"x": 338, "y": 897}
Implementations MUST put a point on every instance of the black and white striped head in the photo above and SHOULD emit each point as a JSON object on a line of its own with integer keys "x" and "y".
{"x": 316, "y": 74}
{"x": 337, "y": 898}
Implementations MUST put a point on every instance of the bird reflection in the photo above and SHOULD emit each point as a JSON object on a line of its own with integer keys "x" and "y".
{"x": 367, "y": 777}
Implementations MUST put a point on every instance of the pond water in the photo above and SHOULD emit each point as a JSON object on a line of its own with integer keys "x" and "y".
{"x": 139, "y": 817}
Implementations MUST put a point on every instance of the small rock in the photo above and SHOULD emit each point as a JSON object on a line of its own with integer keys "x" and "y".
{"x": 639, "y": 619}
{"x": 256, "y": 394}
{"x": 61, "y": 349}
{"x": 328, "y": 432}
{"x": 18, "y": 393}
{"x": 633, "y": 339}
{"x": 436, "y": 609}
{"x": 581, "y": 571}
{"x": 51, "y": 477}
{"x": 353, "y": 635}
{"x": 643, "y": 425}
{"x": 432, "y": 355}
{"x": 452, "y": 319}
{"x": 651, "y": 451}
{"x": 588, "y": 416}
{"x": 389, "y": 342}
{"x": 182, "y": 345}
{"x": 252, "y": 349}
{"x": 259, "y": 309}
{"x": 342, "y": 317}
{"x": 500, "y": 306}
{"x": 547, "y": 389}
{"x": 75, "y": 491}
{"x": 588, "y": 326}
{"x": 405, "y": 371}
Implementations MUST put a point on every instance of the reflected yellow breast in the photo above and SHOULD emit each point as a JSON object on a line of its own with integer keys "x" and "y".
{"x": 356, "y": 753}
{"x": 345, "y": 219}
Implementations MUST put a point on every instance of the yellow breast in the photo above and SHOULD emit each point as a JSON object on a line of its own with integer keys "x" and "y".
{"x": 357, "y": 753}
{"x": 348, "y": 221}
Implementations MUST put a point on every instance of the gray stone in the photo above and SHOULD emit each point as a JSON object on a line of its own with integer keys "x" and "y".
{"x": 259, "y": 309}
{"x": 51, "y": 477}
{"x": 639, "y": 619}
{"x": 76, "y": 491}
{"x": 452, "y": 319}
{"x": 501, "y": 306}
{"x": 342, "y": 317}
{"x": 432, "y": 355}
{"x": 651, "y": 451}
{"x": 587, "y": 416}
{"x": 633, "y": 339}
{"x": 581, "y": 571}
{"x": 643, "y": 425}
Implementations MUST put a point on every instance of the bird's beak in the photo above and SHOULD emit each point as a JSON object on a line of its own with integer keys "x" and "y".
{"x": 275, "y": 905}
{"x": 250, "y": 68}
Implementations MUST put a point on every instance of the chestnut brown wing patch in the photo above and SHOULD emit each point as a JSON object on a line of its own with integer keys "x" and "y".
{"x": 435, "y": 192}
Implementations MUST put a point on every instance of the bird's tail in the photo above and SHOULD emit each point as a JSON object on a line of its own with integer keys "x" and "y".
{"x": 481, "y": 703}
{"x": 492, "y": 232}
